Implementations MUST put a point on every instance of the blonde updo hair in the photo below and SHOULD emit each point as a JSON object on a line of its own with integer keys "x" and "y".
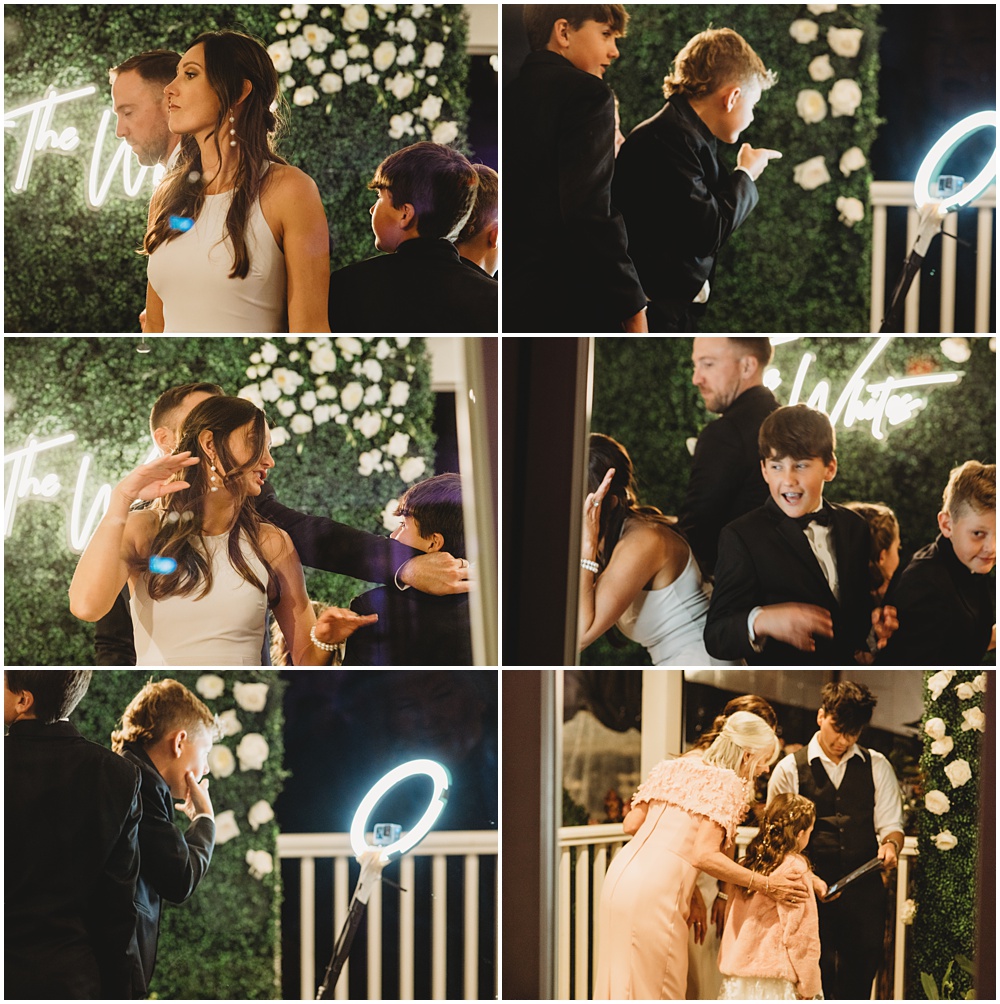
{"x": 158, "y": 709}
{"x": 743, "y": 732}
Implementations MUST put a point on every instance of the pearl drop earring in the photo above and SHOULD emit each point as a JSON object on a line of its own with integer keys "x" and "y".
{"x": 232, "y": 131}
{"x": 215, "y": 487}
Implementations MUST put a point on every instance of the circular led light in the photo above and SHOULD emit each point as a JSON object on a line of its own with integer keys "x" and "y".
{"x": 930, "y": 169}
{"x": 413, "y": 768}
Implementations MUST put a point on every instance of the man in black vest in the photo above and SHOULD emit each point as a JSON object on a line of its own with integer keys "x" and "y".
{"x": 859, "y": 816}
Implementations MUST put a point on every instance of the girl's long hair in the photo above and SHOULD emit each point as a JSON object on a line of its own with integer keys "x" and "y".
{"x": 784, "y": 819}
{"x": 180, "y": 533}
{"x": 231, "y": 58}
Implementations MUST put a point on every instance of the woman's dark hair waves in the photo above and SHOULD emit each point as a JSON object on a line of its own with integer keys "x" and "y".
{"x": 231, "y": 57}
{"x": 181, "y": 526}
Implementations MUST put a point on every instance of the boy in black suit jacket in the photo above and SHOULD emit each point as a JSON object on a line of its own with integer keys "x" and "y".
{"x": 71, "y": 853}
{"x": 166, "y": 732}
{"x": 680, "y": 205}
{"x": 425, "y": 195}
{"x": 566, "y": 266}
{"x": 791, "y": 582}
{"x": 945, "y": 597}
{"x": 415, "y": 629}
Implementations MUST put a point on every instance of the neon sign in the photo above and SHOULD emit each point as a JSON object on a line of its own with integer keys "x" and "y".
{"x": 43, "y": 137}
{"x": 884, "y": 403}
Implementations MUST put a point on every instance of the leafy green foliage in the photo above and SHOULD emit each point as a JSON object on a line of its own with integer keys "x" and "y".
{"x": 792, "y": 266}
{"x": 223, "y": 942}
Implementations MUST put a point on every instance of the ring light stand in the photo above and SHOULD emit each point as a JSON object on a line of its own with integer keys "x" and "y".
{"x": 934, "y": 203}
{"x": 374, "y": 858}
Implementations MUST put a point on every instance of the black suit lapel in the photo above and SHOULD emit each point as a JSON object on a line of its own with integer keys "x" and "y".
{"x": 796, "y": 542}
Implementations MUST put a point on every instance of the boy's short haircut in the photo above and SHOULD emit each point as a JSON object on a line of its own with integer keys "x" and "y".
{"x": 540, "y": 18}
{"x": 57, "y": 692}
{"x": 173, "y": 398}
{"x": 162, "y": 707}
{"x": 796, "y": 431}
{"x": 436, "y": 506}
{"x": 760, "y": 348}
{"x": 971, "y": 487}
{"x": 158, "y": 66}
{"x": 436, "y": 180}
{"x": 714, "y": 58}
{"x": 849, "y": 704}
{"x": 484, "y": 211}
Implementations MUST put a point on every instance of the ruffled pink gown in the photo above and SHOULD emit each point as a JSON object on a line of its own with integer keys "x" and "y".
{"x": 643, "y": 934}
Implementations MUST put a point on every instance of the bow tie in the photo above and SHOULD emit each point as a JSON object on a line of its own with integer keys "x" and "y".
{"x": 823, "y": 517}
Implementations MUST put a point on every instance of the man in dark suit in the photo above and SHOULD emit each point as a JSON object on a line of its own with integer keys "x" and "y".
{"x": 425, "y": 195}
{"x": 566, "y": 264}
{"x": 791, "y": 583}
{"x": 71, "y": 854}
{"x": 679, "y": 204}
{"x": 725, "y": 479}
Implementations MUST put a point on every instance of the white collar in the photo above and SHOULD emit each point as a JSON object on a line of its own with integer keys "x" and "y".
{"x": 815, "y": 750}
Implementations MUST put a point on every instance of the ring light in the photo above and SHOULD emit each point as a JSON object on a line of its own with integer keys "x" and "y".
{"x": 413, "y": 768}
{"x": 930, "y": 168}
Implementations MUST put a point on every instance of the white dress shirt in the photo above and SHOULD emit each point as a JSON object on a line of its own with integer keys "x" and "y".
{"x": 888, "y": 816}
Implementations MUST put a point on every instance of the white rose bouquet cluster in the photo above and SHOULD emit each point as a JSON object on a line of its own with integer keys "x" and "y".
{"x": 394, "y": 49}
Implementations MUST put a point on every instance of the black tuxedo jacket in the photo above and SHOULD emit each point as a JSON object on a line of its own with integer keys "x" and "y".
{"x": 413, "y": 629}
{"x": 680, "y": 205}
{"x": 71, "y": 861}
{"x": 725, "y": 480}
{"x": 946, "y": 613}
{"x": 566, "y": 267}
{"x": 764, "y": 558}
{"x": 422, "y": 287}
{"x": 172, "y": 862}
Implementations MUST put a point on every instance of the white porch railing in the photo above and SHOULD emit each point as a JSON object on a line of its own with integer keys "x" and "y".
{"x": 898, "y": 195}
{"x": 470, "y": 845}
{"x": 584, "y": 855}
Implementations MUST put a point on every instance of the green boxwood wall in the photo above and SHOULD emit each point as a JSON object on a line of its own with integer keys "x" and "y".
{"x": 643, "y": 396}
{"x": 102, "y": 389}
{"x": 223, "y": 944}
{"x": 792, "y": 266}
{"x": 71, "y": 268}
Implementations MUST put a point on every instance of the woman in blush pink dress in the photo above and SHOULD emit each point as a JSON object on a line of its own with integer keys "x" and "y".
{"x": 683, "y": 816}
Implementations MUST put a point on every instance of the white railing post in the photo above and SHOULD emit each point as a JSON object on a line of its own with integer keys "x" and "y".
{"x": 307, "y": 927}
{"x": 407, "y": 877}
{"x": 341, "y": 896}
{"x": 439, "y": 928}
{"x": 471, "y": 927}
{"x": 985, "y": 227}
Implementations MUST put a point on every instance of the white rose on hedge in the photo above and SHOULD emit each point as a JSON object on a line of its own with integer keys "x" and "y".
{"x": 226, "y": 827}
{"x": 398, "y": 445}
{"x": 811, "y": 106}
{"x": 845, "y": 41}
{"x": 221, "y": 761}
{"x": 384, "y": 55}
{"x": 352, "y": 74}
{"x": 210, "y": 686}
{"x": 299, "y": 48}
{"x": 260, "y": 813}
{"x": 965, "y": 691}
{"x": 331, "y": 83}
{"x": 406, "y": 29}
{"x": 820, "y": 68}
{"x": 372, "y": 369}
{"x": 252, "y": 394}
{"x": 389, "y": 518}
{"x": 339, "y": 59}
{"x": 850, "y": 210}
{"x": 261, "y": 863}
{"x": 286, "y": 407}
{"x": 958, "y": 772}
{"x": 945, "y": 840}
{"x": 942, "y": 746}
{"x": 821, "y": 8}
{"x": 937, "y": 683}
{"x": 269, "y": 390}
{"x": 301, "y": 425}
{"x": 401, "y": 86}
{"x": 804, "y": 31}
{"x": 445, "y": 133}
{"x": 308, "y": 401}
{"x": 351, "y": 396}
{"x": 400, "y": 124}
{"x": 936, "y": 728}
{"x": 412, "y": 469}
{"x": 288, "y": 381}
{"x": 979, "y": 684}
{"x": 937, "y": 802}
{"x": 974, "y": 719}
{"x": 433, "y": 55}
{"x": 370, "y": 425}
{"x": 812, "y": 173}
{"x": 251, "y": 696}
{"x": 280, "y": 56}
{"x": 399, "y": 394}
{"x": 315, "y": 66}
{"x": 317, "y": 37}
{"x": 852, "y": 160}
{"x": 279, "y": 436}
{"x": 355, "y": 17}
{"x": 908, "y": 913}
{"x": 323, "y": 360}
{"x": 845, "y": 96}
{"x": 229, "y": 724}
{"x": 431, "y": 108}
{"x": 252, "y": 751}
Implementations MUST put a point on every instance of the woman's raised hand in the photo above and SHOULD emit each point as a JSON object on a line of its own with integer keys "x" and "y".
{"x": 787, "y": 891}
{"x": 152, "y": 481}
{"x": 335, "y": 624}
{"x": 592, "y": 516}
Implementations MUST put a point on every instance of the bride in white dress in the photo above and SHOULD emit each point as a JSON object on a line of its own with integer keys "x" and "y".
{"x": 202, "y": 568}
{"x": 637, "y": 572}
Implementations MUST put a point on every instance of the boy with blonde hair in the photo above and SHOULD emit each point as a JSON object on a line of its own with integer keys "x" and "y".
{"x": 167, "y": 732}
{"x": 716, "y": 82}
{"x": 945, "y": 596}
{"x": 479, "y": 241}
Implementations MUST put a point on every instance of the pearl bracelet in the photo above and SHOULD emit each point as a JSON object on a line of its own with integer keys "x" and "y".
{"x": 590, "y": 566}
{"x": 320, "y": 644}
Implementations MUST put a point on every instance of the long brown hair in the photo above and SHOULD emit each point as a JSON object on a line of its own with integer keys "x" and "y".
{"x": 784, "y": 819}
{"x": 180, "y": 533}
{"x": 231, "y": 58}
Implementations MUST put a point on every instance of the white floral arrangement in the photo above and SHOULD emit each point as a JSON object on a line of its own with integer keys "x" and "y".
{"x": 260, "y": 864}
{"x": 394, "y": 49}
{"x": 842, "y": 100}
{"x": 226, "y": 827}
{"x": 360, "y": 384}
{"x": 252, "y": 751}
{"x": 221, "y": 762}
{"x": 251, "y": 696}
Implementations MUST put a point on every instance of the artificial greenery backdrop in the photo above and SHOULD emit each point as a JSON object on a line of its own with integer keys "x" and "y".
{"x": 223, "y": 943}
{"x": 644, "y": 398}
{"x": 792, "y": 266}
{"x": 69, "y": 267}
{"x": 102, "y": 390}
